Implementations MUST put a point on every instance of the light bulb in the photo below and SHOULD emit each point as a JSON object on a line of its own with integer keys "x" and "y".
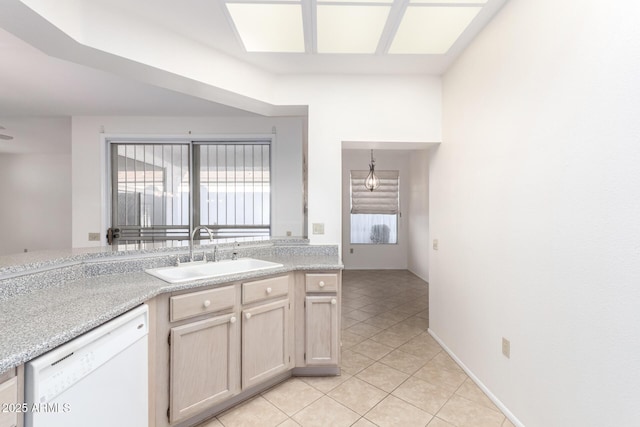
{"x": 372, "y": 181}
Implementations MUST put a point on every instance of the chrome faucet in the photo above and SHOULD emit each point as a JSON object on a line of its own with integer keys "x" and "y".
{"x": 195, "y": 230}
{"x": 234, "y": 256}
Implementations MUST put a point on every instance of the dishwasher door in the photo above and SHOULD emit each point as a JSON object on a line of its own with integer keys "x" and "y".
{"x": 99, "y": 379}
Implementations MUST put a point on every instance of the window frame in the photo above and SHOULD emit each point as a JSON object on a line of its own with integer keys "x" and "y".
{"x": 398, "y": 214}
{"x": 195, "y": 195}
{"x": 106, "y": 141}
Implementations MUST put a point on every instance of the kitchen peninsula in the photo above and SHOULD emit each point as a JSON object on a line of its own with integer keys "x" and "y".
{"x": 47, "y": 300}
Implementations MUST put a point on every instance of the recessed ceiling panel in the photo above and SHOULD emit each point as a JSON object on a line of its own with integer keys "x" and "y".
{"x": 431, "y": 30}
{"x": 350, "y": 29}
{"x": 268, "y": 27}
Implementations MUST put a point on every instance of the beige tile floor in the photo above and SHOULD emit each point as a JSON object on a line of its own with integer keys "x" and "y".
{"x": 393, "y": 372}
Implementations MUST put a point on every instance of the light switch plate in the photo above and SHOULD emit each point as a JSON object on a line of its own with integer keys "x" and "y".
{"x": 506, "y": 348}
{"x": 318, "y": 228}
{"x": 435, "y": 244}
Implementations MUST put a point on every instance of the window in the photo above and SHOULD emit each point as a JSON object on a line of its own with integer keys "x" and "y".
{"x": 374, "y": 214}
{"x": 234, "y": 182}
{"x": 154, "y": 197}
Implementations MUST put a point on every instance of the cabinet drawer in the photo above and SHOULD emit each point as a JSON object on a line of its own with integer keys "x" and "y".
{"x": 321, "y": 282}
{"x": 9, "y": 395}
{"x": 263, "y": 289}
{"x": 203, "y": 302}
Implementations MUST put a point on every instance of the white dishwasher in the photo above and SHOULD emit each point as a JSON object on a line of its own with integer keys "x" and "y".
{"x": 98, "y": 379}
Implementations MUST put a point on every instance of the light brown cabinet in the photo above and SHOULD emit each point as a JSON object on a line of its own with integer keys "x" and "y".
{"x": 204, "y": 365}
{"x": 217, "y": 346}
{"x": 195, "y": 363}
{"x": 204, "y": 302}
{"x": 318, "y": 323}
{"x": 262, "y": 290}
{"x": 321, "y": 282}
{"x": 265, "y": 342}
{"x": 9, "y": 399}
{"x": 322, "y": 332}
{"x": 221, "y": 342}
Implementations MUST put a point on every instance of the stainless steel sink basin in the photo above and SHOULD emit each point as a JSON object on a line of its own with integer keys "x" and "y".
{"x": 196, "y": 271}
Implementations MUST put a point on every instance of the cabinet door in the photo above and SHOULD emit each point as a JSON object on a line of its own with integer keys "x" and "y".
{"x": 322, "y": 334}
{"x": 265, "y": 342}
{"x": 204, "y": 365}
{"x": 9, "y": 396}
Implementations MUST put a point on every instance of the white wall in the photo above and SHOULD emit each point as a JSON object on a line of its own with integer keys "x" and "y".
{"x": 534, "y": 197}
{"x": 341, "y": 108}
{"x": 88, "y": 163}
{"x": 35, "y": 212}
{"x": 384, "y": 257}
{"x": 417, "y": 215}
{"x": 384, "y": 109}
{"x": 35, "y": 191}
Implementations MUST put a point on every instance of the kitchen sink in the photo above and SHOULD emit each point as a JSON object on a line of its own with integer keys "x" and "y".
{"x": 199, "y": 270}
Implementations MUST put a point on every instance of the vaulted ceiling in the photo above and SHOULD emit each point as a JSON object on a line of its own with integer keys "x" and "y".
{"x": 40, "y": 76}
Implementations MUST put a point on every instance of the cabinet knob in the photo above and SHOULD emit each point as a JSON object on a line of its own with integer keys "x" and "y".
{"x": 206, "y": 303}
{"x": 269, "y": 290}
{"x": 334, "y": 301}
{"x": 321, "y": 284}
{"x": 247, "y": 316}
{"x": 232, "y": 320}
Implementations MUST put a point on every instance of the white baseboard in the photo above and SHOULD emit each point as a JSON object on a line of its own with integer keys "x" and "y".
{"x": 418, "y": 275}
{"x": 516, "y": 422}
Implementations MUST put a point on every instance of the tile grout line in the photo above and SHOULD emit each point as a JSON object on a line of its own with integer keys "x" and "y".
{"x": 405, "y": 309}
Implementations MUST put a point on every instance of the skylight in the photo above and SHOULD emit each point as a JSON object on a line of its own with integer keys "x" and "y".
{"x": 352, "y": 26}
{"x": 350, "y": 29}
{"x": 266, "y": 27}
{"x": 431, "y": 30}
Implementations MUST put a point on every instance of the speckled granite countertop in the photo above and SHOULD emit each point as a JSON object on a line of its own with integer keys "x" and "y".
{"x": 43, "y": 310}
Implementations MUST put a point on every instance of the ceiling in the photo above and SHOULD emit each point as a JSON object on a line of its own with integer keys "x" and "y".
{"x": 351, "y": 27}
{"x": 36, "y": 84}
{"x": 208, "y": 22}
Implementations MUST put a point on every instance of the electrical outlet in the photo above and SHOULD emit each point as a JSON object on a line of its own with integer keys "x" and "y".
{"x": 318, "y": 228}
{"x": 288, "y": 234}
{"x": 506, "y": 348}
{"x": 435, "y": 244}
{"x": 94, "y": 237}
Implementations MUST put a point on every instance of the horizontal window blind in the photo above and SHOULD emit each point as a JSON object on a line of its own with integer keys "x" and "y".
{"x": 382, "y": 200}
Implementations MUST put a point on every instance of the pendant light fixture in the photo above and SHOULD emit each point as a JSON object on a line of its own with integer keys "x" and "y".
{"x": 372, "y": 182}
